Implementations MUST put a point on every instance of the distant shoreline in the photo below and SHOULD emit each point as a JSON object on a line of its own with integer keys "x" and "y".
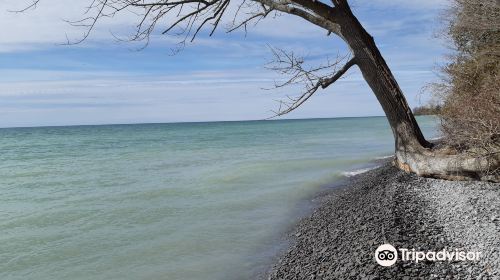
{"x": 385, "y": 205}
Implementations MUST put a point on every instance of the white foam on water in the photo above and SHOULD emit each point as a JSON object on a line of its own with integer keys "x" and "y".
{"x": 357, "y": 172}
{"x": 384, "y": 157}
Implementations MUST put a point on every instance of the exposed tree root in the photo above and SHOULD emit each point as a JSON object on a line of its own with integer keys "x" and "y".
{"x": 440, "y": 163}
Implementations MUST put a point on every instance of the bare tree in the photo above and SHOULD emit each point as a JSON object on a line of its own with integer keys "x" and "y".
{"x": 187, "y": 18}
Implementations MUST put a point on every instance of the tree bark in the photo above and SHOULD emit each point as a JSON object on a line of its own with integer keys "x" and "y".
{"x": 381, "y": 80}
{"x": 412, "y": 152}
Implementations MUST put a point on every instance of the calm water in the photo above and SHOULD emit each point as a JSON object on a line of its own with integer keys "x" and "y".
{"x": 167, "y": 201}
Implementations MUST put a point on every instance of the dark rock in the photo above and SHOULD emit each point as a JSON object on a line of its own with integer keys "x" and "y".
{"x": 385, "y": 205}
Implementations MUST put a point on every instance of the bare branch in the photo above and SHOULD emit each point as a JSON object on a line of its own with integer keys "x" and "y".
{"x": 186, "y": 19}
{"x": 30, "y": 6}
{"x": 327, "y": 82}
{"x": 296, "y": 7}
{"x": 312, "y": 79}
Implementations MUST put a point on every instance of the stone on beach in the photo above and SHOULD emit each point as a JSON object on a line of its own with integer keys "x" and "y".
{"x": 385, "y": 205}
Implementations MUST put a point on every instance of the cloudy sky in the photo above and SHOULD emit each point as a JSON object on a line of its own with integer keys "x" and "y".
{"x": 101, "y": 81}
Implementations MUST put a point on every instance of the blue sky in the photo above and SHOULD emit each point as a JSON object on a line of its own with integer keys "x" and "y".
{"x": 216, "y": 78}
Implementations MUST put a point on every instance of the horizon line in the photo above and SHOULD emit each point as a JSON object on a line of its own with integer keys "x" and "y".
{"x": 188, "y": 122}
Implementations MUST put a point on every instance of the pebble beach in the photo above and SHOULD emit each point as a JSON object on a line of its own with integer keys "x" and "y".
{"x": 387, "y": 206}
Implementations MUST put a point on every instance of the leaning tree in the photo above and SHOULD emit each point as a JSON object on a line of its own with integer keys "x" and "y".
{"x": 413, "y": 153}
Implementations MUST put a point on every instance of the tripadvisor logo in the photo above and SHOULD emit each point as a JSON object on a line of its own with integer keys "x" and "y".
{"x": 387, "y": 255}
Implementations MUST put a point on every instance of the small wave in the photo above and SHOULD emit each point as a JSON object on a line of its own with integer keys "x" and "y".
{"x": 384, "y": 157}
{"x": 357, "y": 172}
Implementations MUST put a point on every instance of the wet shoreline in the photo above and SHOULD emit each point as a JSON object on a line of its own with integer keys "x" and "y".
{"x": 338, "y": 239}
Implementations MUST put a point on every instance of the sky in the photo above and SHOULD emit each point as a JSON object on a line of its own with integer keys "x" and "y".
{"x": 45, "y": 82}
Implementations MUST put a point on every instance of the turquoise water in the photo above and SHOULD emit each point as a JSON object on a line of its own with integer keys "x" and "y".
{"x": 167, "y": 201}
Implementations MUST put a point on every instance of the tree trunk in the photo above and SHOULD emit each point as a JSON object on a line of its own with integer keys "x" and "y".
{"x": 413, "y": 152}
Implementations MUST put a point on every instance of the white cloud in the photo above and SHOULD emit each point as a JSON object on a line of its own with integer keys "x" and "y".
{"x": 406, "y": 4}
{"x": 48, "y": 97}
{"x": 44, "y": 26}
{"x": 47, "y": 25}
{"x": 85, "y": 98}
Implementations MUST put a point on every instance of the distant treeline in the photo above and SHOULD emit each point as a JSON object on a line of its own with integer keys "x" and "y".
{"x": 427, "y": 110}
